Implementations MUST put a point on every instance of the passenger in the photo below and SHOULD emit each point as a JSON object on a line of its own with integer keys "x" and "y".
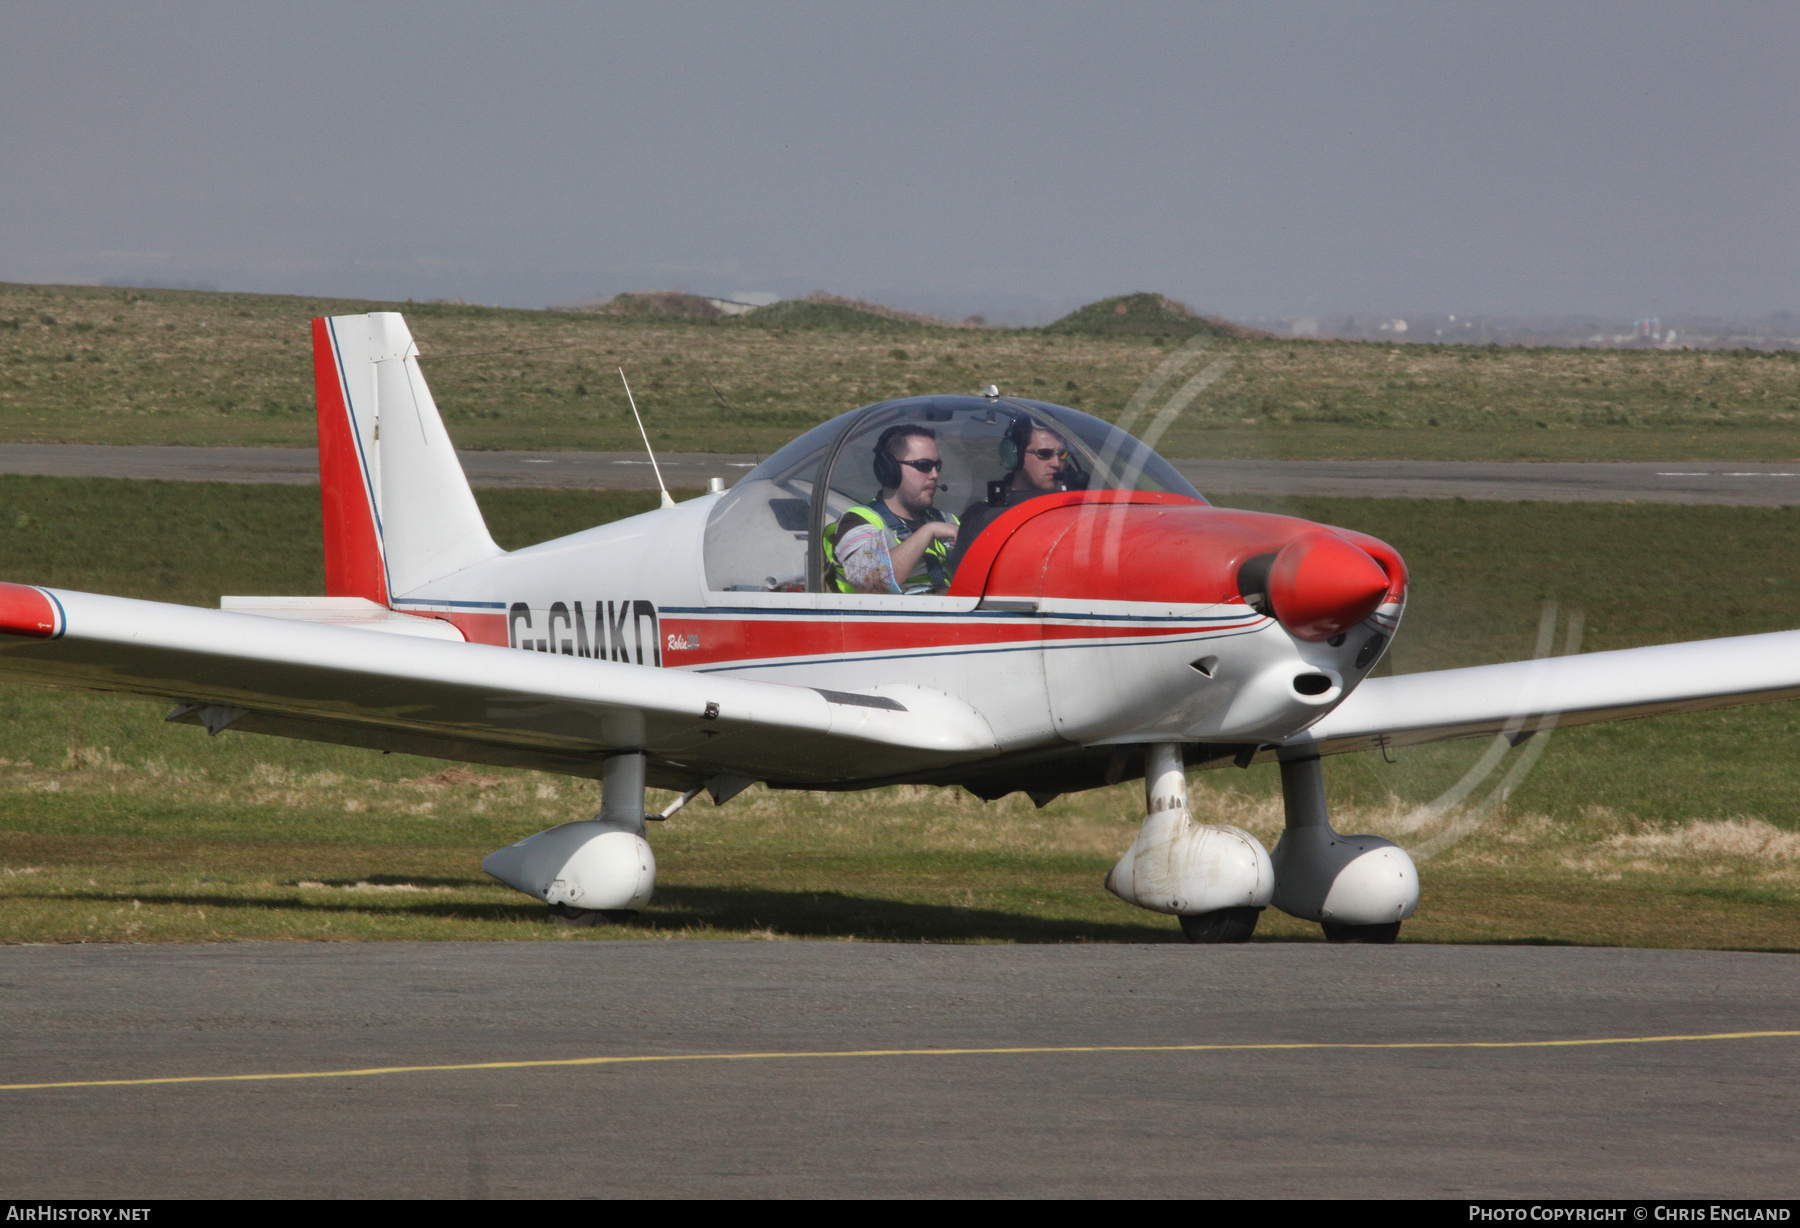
{"x": 1037, "y": 463}
{"x": 1040, "y": 464}
{"x": 898, "y": 542}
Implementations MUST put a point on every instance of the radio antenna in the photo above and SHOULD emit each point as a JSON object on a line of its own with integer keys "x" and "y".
{"x": 667, "y": 499}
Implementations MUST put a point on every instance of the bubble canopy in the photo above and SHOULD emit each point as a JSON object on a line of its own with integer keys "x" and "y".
{"x": 764, "y": 535}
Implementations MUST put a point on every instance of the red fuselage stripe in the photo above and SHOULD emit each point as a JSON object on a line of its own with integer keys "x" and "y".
{"x": 696, "y": 641}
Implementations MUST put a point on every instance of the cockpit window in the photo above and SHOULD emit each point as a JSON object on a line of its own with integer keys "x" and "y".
{"x": 764, "y": 536}
{"x": 757, "y": 535}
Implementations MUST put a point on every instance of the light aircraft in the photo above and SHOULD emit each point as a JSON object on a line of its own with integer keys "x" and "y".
{"x": 1118, "y": 628}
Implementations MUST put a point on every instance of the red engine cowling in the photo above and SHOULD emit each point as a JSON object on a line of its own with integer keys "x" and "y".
{"x": 1316, "y": 580}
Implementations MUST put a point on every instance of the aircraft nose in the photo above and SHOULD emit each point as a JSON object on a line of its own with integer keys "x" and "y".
{"x": 1321, "y": 585}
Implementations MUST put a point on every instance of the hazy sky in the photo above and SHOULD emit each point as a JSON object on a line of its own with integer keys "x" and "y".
{"x": 1017, "y": 159}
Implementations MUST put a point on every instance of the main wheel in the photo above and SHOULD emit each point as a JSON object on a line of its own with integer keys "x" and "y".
{"x": 587, "y": 918}
{"x": 1387, "y": 931}
{"x": 1225, "y": 925}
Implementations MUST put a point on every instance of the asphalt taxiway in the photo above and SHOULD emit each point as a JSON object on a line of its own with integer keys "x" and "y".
{"x": 1750, "y": 485}
{"x": 818, "y": 1069}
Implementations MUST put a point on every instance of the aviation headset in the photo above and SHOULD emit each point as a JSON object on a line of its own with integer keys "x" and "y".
{"x": 887, "y": 467}
{"x": 1017, "y": 439}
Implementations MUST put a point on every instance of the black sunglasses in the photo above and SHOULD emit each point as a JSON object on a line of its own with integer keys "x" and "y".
{"x": 925, "y": 466}
{"x": 1048, "y": 453}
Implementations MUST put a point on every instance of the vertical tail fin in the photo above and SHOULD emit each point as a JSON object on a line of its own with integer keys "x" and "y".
{"x": 398, "y": 509}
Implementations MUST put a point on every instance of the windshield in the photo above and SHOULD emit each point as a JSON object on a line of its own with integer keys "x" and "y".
{"x": 994, "y": 452}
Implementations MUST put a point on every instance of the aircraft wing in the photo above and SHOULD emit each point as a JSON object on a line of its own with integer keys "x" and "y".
{"x": 1521, "y": 697}
{"x": 473, "y": 702}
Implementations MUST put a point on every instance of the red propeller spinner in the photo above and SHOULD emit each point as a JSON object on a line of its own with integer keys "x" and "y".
{"x": 1321, "y": 585}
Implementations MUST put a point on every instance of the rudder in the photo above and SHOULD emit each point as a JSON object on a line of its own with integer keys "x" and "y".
{"x": 398, "y": 510}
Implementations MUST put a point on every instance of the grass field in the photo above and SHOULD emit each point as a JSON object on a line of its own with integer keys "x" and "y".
{"x": 96, "y": 365}
{"x": 1676, "y": 831}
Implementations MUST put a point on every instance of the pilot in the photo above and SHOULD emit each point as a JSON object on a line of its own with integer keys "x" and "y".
{"x": 897, "y": 542}
{"x": 1040, "y": 464}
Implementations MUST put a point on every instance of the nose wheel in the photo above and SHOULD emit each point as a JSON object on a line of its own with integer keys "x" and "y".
{"x": 1384, "y": 933}
{"x": 1223, "y": 925}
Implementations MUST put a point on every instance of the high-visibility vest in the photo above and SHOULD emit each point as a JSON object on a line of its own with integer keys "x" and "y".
{"x": 932, "y": 569}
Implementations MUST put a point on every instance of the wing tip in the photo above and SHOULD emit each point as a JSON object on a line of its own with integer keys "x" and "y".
{"x": 30, "y": 612}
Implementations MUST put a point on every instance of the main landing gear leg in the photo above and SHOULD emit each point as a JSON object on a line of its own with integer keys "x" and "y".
{"x": 622, "y": 810}
{"x": 1359, "y": 888}
{"x": 598, "y": 870}
{"x": 1216, "y": 879}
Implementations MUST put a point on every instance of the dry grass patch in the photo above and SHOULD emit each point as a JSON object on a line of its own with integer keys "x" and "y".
{"x": 1748, "y": 840}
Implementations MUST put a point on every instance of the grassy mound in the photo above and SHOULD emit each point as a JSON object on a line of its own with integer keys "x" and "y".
{"x": 832, "y": 311}
{"x": 800, "y": 314}
{"x": 661, "y": 305}
{"x": 1145, "y": 315}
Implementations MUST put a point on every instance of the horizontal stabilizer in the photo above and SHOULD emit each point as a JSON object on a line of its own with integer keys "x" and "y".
{"x": 358, "y": 612}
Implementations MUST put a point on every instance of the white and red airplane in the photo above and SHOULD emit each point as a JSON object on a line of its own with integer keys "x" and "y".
{"x": 1120, "y": 630}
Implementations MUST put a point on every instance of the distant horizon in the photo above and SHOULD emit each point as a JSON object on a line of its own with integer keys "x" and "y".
{"x": 1342, "y": 324}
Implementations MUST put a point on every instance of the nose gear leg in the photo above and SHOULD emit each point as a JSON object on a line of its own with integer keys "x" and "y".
{"x": 1214, "y": 877}
{"x": 1359, "y": 888}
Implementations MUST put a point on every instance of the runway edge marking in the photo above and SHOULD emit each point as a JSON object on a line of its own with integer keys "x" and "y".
{"x": 625, "y": 1059}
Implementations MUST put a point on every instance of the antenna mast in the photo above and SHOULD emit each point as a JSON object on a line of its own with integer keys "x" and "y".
{"x": 667, "y": 499}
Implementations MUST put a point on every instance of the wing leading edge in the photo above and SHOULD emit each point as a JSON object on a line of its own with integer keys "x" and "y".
{"x": 473, "y": 702}
{"x": 484, "y": 704}
{"x": 1524, "y": 696}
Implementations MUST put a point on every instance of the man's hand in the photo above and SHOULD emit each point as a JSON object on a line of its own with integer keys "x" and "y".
{"x": 905, "y": 556}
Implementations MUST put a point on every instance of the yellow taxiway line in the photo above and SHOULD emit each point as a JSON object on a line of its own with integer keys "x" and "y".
{"x": 842, "y": 1053}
